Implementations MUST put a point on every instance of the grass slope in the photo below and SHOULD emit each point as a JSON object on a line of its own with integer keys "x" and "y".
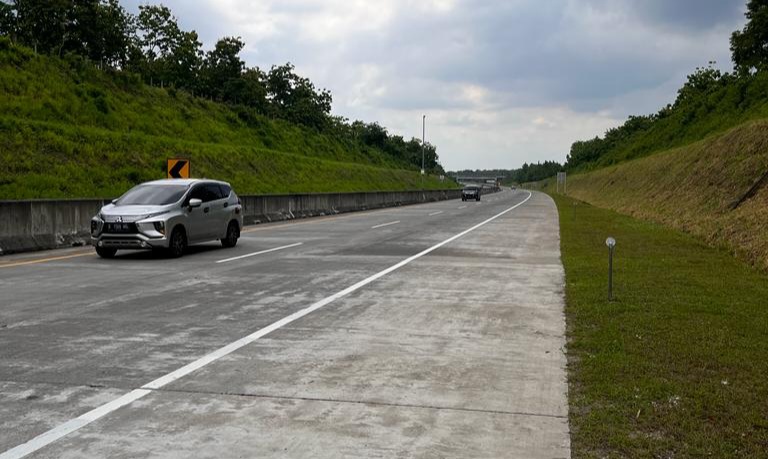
{"x": 693, "y": 189}
{"x": 676, "y": 365}
{"x": 70, "y": 130}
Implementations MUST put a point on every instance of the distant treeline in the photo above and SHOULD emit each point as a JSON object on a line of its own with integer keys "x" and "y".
{"x": 709, "y": 101}
{"x": 154, "y": 46}
{"x": 527, "y": 173}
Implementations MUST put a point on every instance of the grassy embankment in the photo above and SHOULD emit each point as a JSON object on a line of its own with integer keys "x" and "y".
{"x": 676, "y": 366}
{"x": 70, "y": 130}
{"x": 695, "y": 189}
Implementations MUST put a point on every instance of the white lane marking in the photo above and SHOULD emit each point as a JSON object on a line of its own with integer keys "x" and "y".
{"x": 385, "y": 224}
{"x": 261, "y": 252}
{"x": 72, "y": 425}
{"x": 463, "y": 207}
{"x": 435, "y": 213}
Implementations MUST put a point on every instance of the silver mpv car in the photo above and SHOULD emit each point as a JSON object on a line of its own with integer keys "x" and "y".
{"x": 168, "y": 215}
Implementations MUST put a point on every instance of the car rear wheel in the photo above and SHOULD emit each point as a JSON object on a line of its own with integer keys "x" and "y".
{"x": 232, "y": 234}
{"x": 105, "y": 252}
{"x": 178, "y": 243}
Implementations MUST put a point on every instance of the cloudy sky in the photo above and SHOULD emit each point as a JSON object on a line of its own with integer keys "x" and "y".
{"x": 501, "y": 82}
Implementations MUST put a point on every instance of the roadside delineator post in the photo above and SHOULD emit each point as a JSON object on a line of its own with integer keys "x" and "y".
{"x": 611, "y": 243}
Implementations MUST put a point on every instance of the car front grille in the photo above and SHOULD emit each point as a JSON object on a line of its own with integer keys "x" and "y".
{"x": 120, "y": 228}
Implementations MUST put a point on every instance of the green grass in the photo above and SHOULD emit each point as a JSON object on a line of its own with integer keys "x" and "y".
{"x": 693, "y": 189}
{"x": 70, "y": 130}
{"x": 47, "y": 160}
{"x": 677, "y": 365}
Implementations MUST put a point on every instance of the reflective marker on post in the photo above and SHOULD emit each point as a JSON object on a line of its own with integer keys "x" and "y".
{"x": 611, "y": 243}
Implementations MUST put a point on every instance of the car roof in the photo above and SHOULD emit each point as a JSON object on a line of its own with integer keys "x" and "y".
{"x": 183, "y": 182}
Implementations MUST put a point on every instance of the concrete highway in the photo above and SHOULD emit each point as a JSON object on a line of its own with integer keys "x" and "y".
{"x": 429, "y": 331}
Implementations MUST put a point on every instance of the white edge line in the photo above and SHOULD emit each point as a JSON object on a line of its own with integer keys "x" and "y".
{"x": 385, "y": 224}
{"x": 435, "y": 213}
{"x": 261, "y": 252}
{"x": 83, "y": 420}
{"x": 463, "y": 207}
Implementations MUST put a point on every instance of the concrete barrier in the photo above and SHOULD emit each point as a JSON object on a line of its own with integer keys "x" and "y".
{"x": 267, "y": 208}
{"x": 46, "y": 224}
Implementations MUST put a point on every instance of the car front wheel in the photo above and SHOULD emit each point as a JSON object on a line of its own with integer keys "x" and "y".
{"x": 178, "y": 243}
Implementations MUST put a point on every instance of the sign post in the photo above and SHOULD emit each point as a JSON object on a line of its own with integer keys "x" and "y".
{"x": 611, "y": 243}
{"x": 561, "y": 182}
{"x": 179, "y": 168}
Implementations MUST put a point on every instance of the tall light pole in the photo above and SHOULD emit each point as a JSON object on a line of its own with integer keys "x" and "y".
{"x": 423, "y": 145}
{"x": 423, "y": 140}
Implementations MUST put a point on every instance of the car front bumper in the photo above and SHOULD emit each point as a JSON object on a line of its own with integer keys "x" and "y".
{"x": 135, "y": 241}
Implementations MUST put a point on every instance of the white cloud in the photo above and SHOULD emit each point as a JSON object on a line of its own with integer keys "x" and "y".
{"x": 502, "y": 83}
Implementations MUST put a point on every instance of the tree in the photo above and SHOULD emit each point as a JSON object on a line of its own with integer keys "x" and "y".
{"x": 41, "y": 24}
{"x": 249, "y": 89}
{"x": 295, "y": 98}
{"x": 749, "y": 46}
{"x": 158, "y": 34}
{"x": 116, "y": 27}
{"x": 222, "y": 64}
{"x": 184, "y": 61}
{"x": 701, "y": 82}
{"x": 7, "y": 20}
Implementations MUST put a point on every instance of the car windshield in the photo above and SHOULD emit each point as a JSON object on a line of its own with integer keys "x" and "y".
{"x": 470, "y": 188}
{"x": 152, "y": 195}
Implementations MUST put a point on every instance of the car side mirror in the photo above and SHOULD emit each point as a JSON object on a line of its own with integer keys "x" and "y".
{"x": 194, "y": 202}
{"x": 114, "y": 201}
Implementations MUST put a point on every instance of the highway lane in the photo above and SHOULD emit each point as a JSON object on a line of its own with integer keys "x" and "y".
{"x": 78, "y": 332}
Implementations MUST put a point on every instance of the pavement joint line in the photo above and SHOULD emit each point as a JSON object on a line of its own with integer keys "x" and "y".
{"x": 463, "y": 207}
{"x": 363, "y": 402}
{"x": 44, "y": 260}
{"x": 386, "y": 224}
{"x": 261, "y": 252}
{"x": 83, "y": 420}
{"x": 62, "y": 383}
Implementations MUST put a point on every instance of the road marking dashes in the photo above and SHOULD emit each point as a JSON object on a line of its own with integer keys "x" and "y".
{"x": 385, "y": 224}
{"x": 260, "y": 252}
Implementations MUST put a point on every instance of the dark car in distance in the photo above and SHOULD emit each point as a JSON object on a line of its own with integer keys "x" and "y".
{"x": 471, "y": 193}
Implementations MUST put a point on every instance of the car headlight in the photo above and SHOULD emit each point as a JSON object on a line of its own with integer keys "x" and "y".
{"x": 155, "y": 214}
{"x": 96, "y": 225}
{"x": 159, "y": 227}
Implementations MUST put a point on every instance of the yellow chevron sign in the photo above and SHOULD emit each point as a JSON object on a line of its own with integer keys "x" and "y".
{"x": 178, "y": 168}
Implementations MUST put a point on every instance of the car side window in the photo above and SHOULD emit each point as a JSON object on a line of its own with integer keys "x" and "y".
{"x": 205, "y": 192}
{"x": 197, "y": 192}
{"x": 213, "y": 191}
{"x": 225, "y": 190}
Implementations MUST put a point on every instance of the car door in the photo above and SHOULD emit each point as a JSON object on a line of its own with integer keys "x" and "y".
{"x": 219, "y": 211}
{"x": 199, "y": 220}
